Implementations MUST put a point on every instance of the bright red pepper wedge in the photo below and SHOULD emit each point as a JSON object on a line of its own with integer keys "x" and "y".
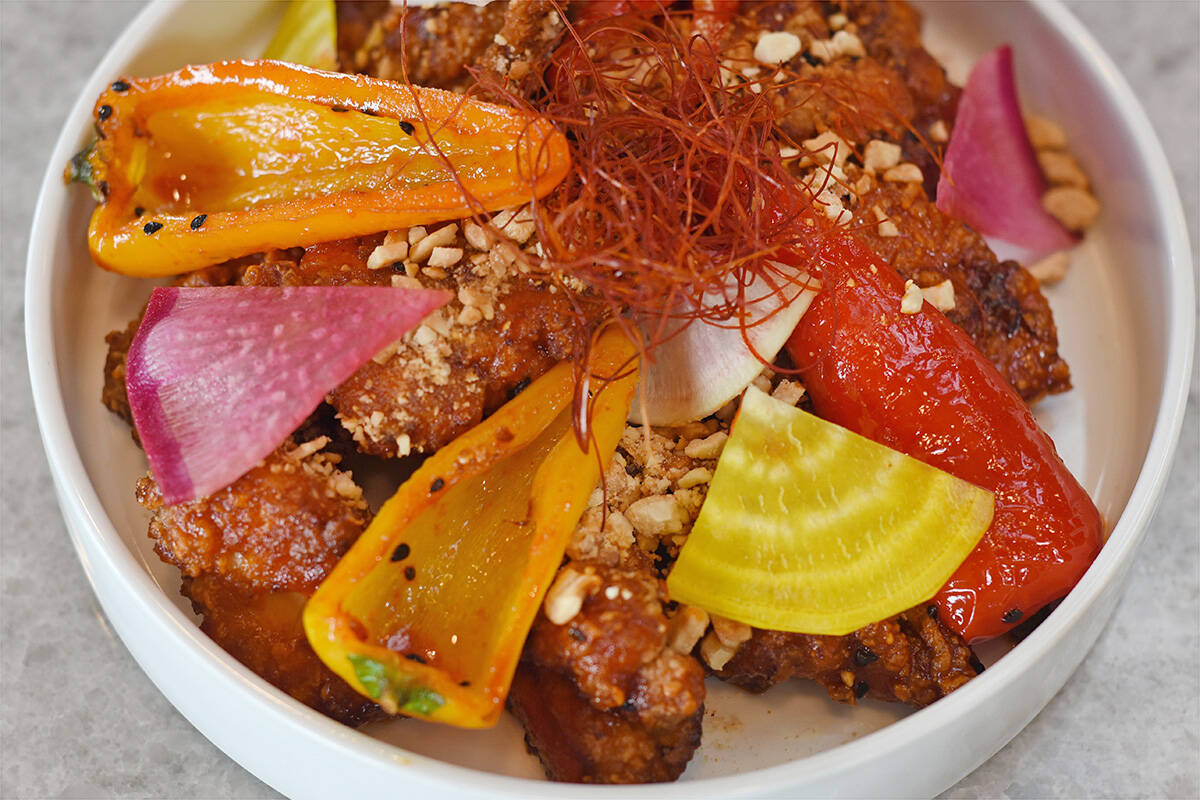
{"x": 916, "y": 383}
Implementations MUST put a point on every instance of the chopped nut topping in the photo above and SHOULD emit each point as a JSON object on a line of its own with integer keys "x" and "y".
{"x": 393, "y": 249}
{"x": 1045, "y": 133}
{"x": 1073, "y": 207}
{"x": 938, "y": 132}
{"x": 776, "y": 47}
{"x": 880, "y": 155}
{"x": 443, "y": 257}
{"x": 565, "y": 597}
{"x": 656, "y": 516}
{"x": 709, "y": 447}
{"x": 695, "y": 477}
{"x": 1061, "y": 169}
{"x": 442, "y": 237}
{"x": 827, "y": 147}
{"x": 731, "y": 633}
{"x": 1051, "y": 269}
{"x": 715, "y": 652}
{"x": 940, "y": 296}
{"x": 904, "y": 173}
{"x": 912, "y": 300}
{"x": 686, "y": 628}
{"x": 790, "y": 392}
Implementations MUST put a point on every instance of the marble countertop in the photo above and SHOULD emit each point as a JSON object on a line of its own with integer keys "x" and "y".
{"x": 79, "y": 719}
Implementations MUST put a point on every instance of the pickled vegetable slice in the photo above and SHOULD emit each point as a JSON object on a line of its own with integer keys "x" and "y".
{"x": 428, "y": 611}
{"x": 307, "y": 35}
{"x": 813, "y": 529}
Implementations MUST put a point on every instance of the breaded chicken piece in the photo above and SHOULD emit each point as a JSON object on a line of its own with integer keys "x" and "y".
{"x": 910, "y": 658}
{"x": 281, "y": 526}
{"x": 603, "y": 698}
{"x": 253, "y": 552}
{"x": 262, "y": 629}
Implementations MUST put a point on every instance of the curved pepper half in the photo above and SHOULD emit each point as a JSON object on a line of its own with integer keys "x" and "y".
{"x": 428, "y": 612}
{"x": 222, "y": 160}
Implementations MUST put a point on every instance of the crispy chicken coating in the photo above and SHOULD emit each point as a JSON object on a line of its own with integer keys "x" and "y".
{"x": 603, "y": 698}
{"x": 910, "y": 658}
{"x": 281, "y": 526}
{"x": 253, "y": 552}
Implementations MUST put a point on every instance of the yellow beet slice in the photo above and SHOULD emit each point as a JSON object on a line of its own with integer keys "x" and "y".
{"x": 307, "y": 35}
{"x": 810, "y": 528}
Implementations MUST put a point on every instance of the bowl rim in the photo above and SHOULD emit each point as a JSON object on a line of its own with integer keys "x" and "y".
{"x": 100, "y": 547}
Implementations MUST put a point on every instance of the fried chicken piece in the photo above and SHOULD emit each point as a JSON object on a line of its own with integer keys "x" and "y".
{"x": 262, "y": 629}
{"x": 281, "y": 526}
{"x": 253, "y": 552}
{"x": 602, "y": 697}
{"x": 436, "y": 44}
{"x": 998, "y": 304}
{"x": 910, "y": 658}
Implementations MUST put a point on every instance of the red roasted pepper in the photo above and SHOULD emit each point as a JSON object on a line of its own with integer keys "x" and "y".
{"x": 916, "y": 383}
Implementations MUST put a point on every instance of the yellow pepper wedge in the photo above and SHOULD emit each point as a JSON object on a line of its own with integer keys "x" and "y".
{"x": 222, "y": 160}
{"x": 428, "y": 611}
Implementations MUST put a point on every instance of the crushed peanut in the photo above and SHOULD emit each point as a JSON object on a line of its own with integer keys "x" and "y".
{"x": 708, "y": 447}
{"x": 1051, "y": 269}
{"x": 912, "y": 300}
{"x": 565, "y": 597}
{"x": 1045, "y": 133}
{"x": 879, "y": 155}
{"x": 731, "y": 632}
{"x": 776, "y": 47}
{"x": 393, "y": 249}
{"x": 904, "y": 173}
{"x": 1073, "y": 207}
{"x": 686, "y": 628}
{"x": 715, "y": 652}
{"x": 940, "y": 296}
{"x": 424, "y": 247}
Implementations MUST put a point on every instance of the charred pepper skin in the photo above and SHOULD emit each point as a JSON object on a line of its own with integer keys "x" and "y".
{"x": 914, "y": 382}
{"x": 238, "y": 157}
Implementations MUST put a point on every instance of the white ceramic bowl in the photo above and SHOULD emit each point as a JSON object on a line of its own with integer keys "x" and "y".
{"x": 1126, "y": 323}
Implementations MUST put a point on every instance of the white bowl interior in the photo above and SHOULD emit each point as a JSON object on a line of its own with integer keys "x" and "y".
{"x": 1112, "y": 313}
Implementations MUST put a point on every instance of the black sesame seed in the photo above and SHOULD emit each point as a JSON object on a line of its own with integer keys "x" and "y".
{"x": 103, "y": 187}
{"x": 370, "y": 112}
{"x": 437, "y": 485}
{"x": 860, "y": 690}
{"x": 401, "y": 552}
{"x": 120, "y": 86}
{"x": 576, "y": 634}
{"x": 151, "y": 227}
{"x": 198, "y": 220}
{"x": 339, "y": 109}
{"x": 1012, "y": 615}
{"x": 414, "y": 657}
{"x": 407, "y": 127}
{"x": 104, "y": 112}
{"x": 410, "y": 573}
{"x": 137, "y": 212}
{"x": 864, "y": 656}
{"x": 932, "y": 610}
{"x": 464, "y": 683}
{"x": 520, "y": 387}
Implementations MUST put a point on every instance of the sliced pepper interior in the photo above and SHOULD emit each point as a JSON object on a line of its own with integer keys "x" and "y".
{"x": 222, "y": 160}
{"x": 428, "y": 611}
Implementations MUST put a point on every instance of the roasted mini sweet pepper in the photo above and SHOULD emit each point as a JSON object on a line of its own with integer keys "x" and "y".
{"x": 428, "y": 611}
{"x": 222, "y": 160}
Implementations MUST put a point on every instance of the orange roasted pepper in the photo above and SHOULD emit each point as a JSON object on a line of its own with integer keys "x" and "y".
{"x": 428, "y": 611}
{"x": 222, "y": 160}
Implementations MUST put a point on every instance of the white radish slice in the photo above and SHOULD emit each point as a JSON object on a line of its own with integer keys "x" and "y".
{"x": 218, "y": 377}
{"x": 705, "y": 365}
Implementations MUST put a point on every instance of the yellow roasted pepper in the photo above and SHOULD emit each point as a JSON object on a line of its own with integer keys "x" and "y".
{"x": 222, "y": 160}
{"x": 428, "y": 612}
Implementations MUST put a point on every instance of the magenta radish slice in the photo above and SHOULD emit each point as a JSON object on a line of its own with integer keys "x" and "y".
{"x": 990, "y": 175}
{"x": 218, "y": 377}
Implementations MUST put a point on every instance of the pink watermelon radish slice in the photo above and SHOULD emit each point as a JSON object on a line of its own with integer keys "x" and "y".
{"x": 990, "y": 175}
{"x": 218, "y": 377}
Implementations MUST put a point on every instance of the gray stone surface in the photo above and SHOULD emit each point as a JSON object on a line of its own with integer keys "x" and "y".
{"x": 79, "y": 719}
